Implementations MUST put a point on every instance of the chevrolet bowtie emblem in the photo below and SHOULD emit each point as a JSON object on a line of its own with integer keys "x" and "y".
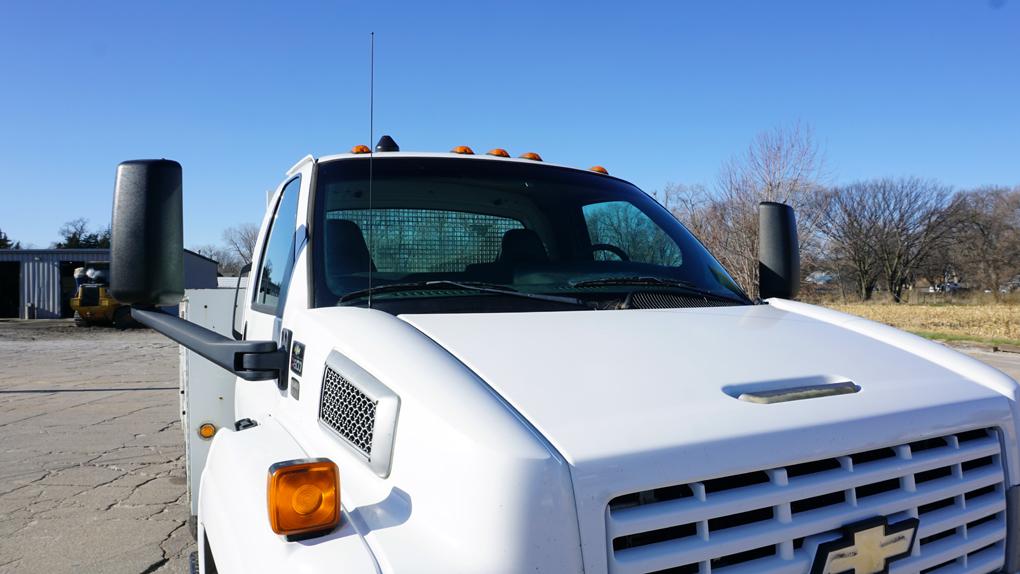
{"x": 866, "y": 547}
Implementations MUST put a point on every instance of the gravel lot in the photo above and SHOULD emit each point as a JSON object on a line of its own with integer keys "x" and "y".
{"x": 91, "y": 453}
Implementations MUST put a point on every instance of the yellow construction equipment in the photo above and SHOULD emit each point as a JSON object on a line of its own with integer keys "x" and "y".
{"x": 92, "y": 302}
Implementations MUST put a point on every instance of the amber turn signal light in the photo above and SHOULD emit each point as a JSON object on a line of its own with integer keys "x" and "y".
{"x": 599, "y": 169}
{"x": 499, "y": 152}
{"x": 361, "y": 149}
{"x": 304, "y": 496}
{"x": 207, "y": 431}
{"x": 462, "y": 149}
{"x": 531, "y": 155}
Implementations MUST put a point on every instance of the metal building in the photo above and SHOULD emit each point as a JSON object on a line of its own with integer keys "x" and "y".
{"x": 39, "y": 283}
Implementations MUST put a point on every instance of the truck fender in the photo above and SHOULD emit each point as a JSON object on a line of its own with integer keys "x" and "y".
{"x": 234, "y": 521}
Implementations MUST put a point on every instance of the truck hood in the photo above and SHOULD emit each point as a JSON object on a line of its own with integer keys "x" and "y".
{"x": 619, "y": 392}
{"x": 638, "y": 400}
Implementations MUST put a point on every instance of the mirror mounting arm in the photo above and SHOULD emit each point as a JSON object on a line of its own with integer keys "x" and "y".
{"x": 250, "y": 360}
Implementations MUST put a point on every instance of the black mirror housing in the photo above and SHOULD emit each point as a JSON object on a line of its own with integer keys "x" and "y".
{"x": 147, "y": 245}
{"x": 778, "y": 251}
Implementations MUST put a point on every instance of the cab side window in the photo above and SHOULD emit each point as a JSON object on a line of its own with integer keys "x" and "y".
{"x": 278, "y": 255}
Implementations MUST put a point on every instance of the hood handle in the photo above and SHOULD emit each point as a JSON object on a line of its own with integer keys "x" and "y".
{"x": 799, "y": 393}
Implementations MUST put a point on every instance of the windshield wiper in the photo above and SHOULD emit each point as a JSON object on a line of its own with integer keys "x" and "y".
{"x": 652, "y": 281}
{"x": 467, "y": 286}
{"x": 633, "y": 280}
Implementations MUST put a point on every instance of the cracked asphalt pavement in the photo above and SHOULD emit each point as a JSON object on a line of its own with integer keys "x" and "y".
{"x": 92, "y": 474}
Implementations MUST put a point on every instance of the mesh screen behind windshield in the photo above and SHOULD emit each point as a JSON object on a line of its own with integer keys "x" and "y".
{"x": 428, "y": 240}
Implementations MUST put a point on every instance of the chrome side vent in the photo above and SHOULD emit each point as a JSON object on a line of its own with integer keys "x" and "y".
{"x": 348, "y": 411}
{"x": 359, "y": 409}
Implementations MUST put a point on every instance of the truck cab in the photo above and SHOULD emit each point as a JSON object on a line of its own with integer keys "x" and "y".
{"x": 449, "y": 362}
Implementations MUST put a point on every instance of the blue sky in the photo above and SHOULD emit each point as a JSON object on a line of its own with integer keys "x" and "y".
{"x": 655, "y": 91}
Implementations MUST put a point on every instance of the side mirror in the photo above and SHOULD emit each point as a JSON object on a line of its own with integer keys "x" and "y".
{"x": 147, "y": 247}
{"x": 147, "y": 269}
{"x": 778, "y": 251}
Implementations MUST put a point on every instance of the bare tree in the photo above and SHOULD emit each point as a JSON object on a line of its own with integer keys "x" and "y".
{"x": 940, "y": 266}
{"x": 784, "y": 165}
{"x": 989, "y": 241}
{"x": 75, "y": 234}
{"x": 72, "y": 232}
{"x": 885, "y": 232}
{"x": 690, "y": 204}
{"x": 241, "y": 239}
{"x": 917, "y": 218}
{"x": 229, "y": 262}
{"x": 850, "y": 224}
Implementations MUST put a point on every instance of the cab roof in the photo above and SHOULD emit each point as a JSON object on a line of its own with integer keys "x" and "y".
{"x": 386, "y": 154}
{"x": 386, "y": 147}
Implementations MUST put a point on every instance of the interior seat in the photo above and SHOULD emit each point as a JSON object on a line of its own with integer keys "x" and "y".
{"x": 518, "y": 247}
{"x": 346, "y": 253}
{"x": 522, "y": 246}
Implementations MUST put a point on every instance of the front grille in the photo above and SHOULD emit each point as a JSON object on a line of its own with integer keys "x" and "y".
{"x": 767, "y": 521}
{"x": 348, "y": 411}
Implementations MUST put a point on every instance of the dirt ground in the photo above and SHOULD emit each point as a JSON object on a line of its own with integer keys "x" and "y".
{"x": 91, "y": 454}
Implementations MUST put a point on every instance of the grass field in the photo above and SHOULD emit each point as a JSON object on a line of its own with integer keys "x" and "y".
{"x": 989, "y": 323}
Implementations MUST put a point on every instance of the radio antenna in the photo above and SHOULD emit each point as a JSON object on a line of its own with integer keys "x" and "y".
{"x": 371, "y": 156}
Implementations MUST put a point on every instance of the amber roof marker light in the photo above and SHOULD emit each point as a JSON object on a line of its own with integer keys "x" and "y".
{"x": 599, "y": 169}
{"x": 303, "y": 497}
{"x": 463, "y": 149}
{"x": 531, "y": 155}
{"x": 498, "y": 152}
{"x": 361, "y": 149}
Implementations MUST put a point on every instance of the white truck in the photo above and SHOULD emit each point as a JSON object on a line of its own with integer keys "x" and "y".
{"x": 448, "y": 362}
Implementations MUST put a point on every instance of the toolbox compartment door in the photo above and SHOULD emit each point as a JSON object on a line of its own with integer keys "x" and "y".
{"x": 207, "y": 390}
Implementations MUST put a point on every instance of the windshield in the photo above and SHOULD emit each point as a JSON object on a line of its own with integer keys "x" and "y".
{"x": 526, "y": 228}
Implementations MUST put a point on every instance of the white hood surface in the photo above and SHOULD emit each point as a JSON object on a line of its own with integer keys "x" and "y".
{"x": 638, "y": 398}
